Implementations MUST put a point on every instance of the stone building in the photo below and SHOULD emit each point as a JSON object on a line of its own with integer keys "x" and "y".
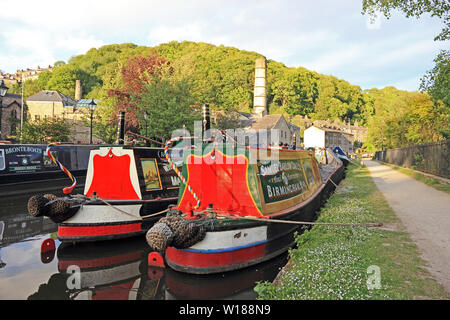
{"x": 52, "y": 104}
{"x": 48, "y": 104}
{"x": 10, "y": 112}
{"x": 359, "y": 132}
{"x": 315, "y": 137}
{"x": 25, "y": 74}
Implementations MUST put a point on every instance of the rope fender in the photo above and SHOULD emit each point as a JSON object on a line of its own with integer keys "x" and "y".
{"x": 166, "y": 153}
{"x": 66, "y": 190}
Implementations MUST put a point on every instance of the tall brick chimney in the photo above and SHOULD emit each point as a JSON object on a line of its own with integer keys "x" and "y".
{"x": 259, "y": 94}
{"x": 78, "y": 90}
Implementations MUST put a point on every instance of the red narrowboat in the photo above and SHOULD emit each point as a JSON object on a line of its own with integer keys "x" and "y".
{"x": 240, "y": 197}
{"x": 126, "y": 190}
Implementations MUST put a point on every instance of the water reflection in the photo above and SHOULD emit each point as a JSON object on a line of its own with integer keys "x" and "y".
{"x": 113, "y": 270}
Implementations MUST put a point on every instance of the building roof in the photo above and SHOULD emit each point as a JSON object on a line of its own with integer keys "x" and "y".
{"x": 329, "y": 130}
{"x": 85, "y": 103}
{"x": 9, "y": 99}
{"x": 269, "y": 121}
{"x": 53, "y": 96}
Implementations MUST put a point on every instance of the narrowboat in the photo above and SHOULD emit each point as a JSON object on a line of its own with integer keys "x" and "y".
{"x": 108, "y": 270}
{"x": 245, "y": 202}
{"x": 26, "y": 167}
{"x": 125, "y": 189}
{"x": 341, "y": 155}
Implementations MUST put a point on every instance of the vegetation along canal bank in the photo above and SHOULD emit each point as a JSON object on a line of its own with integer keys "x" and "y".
{"x": 335, "y": 262}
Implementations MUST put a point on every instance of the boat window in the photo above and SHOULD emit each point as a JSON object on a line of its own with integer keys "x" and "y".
{"x": 308, "y": 171}
{"x": 2, "y": 160}
{"x": 151, "y": 174}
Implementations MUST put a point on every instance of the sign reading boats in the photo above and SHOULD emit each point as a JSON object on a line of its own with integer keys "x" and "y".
{"x": 281, "y": 179}
{"x": 23, "y": 159}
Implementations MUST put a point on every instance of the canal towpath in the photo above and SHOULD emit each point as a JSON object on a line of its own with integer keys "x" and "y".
{"x": 424, "y": 212}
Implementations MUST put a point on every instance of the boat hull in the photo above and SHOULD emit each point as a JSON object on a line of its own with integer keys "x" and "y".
{"x": 100, "y": 222}
{"x": 125, "y": 189}
{"x": 250, "y": 242}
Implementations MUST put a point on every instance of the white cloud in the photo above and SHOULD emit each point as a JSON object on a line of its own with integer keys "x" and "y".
{"x": 409, "y": 84}
{"x": 166, "y": 33}
{"x": 320, "y": 35}
{"x": 32, "y": 47}
{"x": 339, "y": 58}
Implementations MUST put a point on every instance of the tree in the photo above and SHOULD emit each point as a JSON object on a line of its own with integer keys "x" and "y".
{"x": 138, "y": 72}
{"x": 426, "y": 120}
{"x": 58, "y": 63}
{"x": 30, "y": 87}
{"x": 296, "y": 91}
{"x": 227, "y": 120}
{"x": 45, "y": 131}
{"x": 168, "y": 106}
{"x": 412, "y": 8}
{"x": 103, "y": 125}
{"x": 437, "y": 81}
{"x": 63, "y": 79}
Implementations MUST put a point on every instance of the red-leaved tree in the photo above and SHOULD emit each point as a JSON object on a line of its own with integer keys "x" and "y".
{"x": 138, "y": 71}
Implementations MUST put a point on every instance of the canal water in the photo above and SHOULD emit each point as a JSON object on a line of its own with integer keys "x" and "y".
{"x": 109, "y": 270}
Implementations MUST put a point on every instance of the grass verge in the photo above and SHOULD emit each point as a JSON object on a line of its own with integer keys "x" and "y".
{"x": 331, "y": 262}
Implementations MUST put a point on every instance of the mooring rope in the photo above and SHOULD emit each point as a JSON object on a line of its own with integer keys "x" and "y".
{"x": 333, "y": 182}
{"x": 129, "y": 214}
{"x": 166, "y": 153}
{"x": 369, "y": 224}
{"x": 66, "y": 190}
{"x": 227, "y": 215}
{"x": 145, "y": 138}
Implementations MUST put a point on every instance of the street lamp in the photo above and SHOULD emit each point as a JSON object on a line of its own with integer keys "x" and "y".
{"x": 91, "y": 105}
{"x": 3, "y": 89}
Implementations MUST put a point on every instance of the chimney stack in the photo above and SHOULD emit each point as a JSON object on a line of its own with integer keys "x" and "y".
{"x": 78, "y": 91}
{"x": 259, "y": 95}
{"x": 206, "y": 123}
{"x": 121, "y": 128}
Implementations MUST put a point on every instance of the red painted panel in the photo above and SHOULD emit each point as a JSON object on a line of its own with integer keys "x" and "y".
{"x": 116, "y": 292}
{"x": 216, "y": 259}
{"x": 101, "y": 230}
{"x": 111, "y": 177}
{"x": 99, "y": 262}
{"x": 222, "y": 182}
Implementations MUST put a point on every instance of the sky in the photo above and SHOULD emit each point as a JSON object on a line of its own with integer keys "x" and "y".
{"x": 326, "y": 36}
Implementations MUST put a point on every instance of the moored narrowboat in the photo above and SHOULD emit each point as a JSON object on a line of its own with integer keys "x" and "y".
{"x": 126, "y": 189}
{"x": 246, "y": 203}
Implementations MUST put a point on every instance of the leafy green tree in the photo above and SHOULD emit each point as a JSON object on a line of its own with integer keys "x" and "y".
{"x": 30, "y": 87}
{"x": 403, "y": 118}
{"x": 45, "y": 131}
{"x": 426, "y": 120}
{"x": 437, "y": 81}
{"x": 138, "y": 72}
{"x": 168, "y": 105}
{"x": 58, "y": 63}
{"x": 104, "y": 125}
{"x": 43, "y": 79}
{"x": 63, "y": 79}
{"x": 295, "y": 90}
